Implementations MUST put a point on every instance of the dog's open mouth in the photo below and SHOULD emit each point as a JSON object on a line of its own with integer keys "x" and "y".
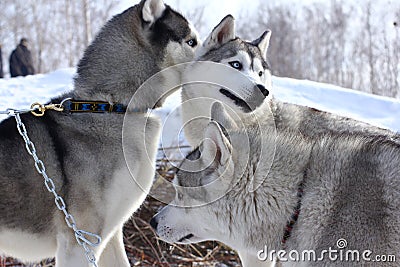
{"x": 186, "y": 238}
{"x": 238, "y": 101}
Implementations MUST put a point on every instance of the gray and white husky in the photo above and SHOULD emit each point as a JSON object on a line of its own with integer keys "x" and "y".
{"x": 83, "y": 152}
{"x": 250, "y": 59}
{"x": 238, "y": 218}
{"x": 338, "y": 194}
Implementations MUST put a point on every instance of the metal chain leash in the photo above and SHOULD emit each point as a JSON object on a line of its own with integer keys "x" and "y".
{"x": 81, "y": 236}
{"x": 11, "y": 111}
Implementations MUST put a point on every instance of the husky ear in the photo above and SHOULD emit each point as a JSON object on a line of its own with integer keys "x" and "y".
{"x": 216, "y": 147}
{"x": 222, "y": 33}
{"x": 153, "y": 10}
{"x": 263, "y": 43}
{"x": 219, "y": 114}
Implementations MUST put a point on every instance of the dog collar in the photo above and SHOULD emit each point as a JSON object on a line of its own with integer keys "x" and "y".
{"x": 82, "y": 106}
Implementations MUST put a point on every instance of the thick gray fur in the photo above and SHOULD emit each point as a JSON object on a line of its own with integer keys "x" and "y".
{"x": 351, "y": 191}
{"x": 313, "y": 122}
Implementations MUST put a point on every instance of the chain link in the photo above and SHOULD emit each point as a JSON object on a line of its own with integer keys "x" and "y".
{"x": 81, "y": 236}
{"x": 12, "y": 112}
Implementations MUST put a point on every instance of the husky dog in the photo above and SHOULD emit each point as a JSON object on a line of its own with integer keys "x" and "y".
{"x": 250, "y": 59}
{"x": 83, "y": 151}
{"x": 340, "y": 187}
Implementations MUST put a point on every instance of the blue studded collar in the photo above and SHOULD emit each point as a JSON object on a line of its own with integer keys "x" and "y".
{"x": 82, "y": 106}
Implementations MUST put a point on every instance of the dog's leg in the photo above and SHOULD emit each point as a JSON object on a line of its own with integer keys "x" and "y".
{"x": 71, "y": 257}
{"x": 114, "y": 253}
{"x": 69, "y": 253}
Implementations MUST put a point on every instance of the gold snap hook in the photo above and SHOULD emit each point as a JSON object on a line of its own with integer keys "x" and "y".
{"x": 59, "y": 107}
{"x": 38, "y": 109}
{"x": 56, "y": 107}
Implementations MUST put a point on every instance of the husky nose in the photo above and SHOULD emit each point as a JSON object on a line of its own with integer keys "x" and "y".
{"x": 263, "y": 90}
{"x": 154, "y": 223}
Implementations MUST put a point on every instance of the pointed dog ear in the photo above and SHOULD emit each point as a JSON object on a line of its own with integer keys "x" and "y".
{"x": 153, "y": 10}
{"x": 222, "y": 33}
{"x": 263, "y": 43}
{"x": 219, "y": 114}
{"x": 216, "y": 147}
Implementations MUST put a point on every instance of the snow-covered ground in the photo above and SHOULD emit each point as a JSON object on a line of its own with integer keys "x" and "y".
{"x": 21, "y": 92}
{"x": 376, "y": 110}
{"x": 384, "y": 112}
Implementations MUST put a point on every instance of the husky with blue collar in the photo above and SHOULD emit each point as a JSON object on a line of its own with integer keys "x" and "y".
{"x": 82, "y": 146}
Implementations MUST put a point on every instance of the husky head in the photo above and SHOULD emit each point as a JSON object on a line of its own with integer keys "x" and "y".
{"x": 211, "y": 185}
{"x": 170, "y": 31}
{"x": 246, "y": 66}
{"x": 250, "y": 58}
{"x": 132, "y": 47}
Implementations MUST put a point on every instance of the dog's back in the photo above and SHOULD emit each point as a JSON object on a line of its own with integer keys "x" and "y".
{"x": 312, "y": 122}
{"x": 352, "y": 192}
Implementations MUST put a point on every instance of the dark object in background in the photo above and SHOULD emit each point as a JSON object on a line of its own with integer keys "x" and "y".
{"x": 21, "y": 63}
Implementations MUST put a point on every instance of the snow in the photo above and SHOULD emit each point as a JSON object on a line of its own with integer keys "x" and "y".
{"x": 384, "y": 112}
{"x": 376, "y": 110}
{"x": 21, "y": 92}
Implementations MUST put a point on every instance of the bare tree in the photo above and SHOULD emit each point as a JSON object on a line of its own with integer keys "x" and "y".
{"x": 87, "y": 22}
{"x": 370, "y": 49}
{"x": 197, "y": 18}
{"x": 58, "y": 31}
{"x": 395, "y": 68}
{"x": 68, "y": 32}
{"x": 338, "y": 42}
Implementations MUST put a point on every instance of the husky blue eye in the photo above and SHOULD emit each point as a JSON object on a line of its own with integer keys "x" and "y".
{"x": 192, "y": 42}
{"x": 236, "y": 65}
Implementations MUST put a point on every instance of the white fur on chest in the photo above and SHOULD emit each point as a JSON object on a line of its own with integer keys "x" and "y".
{"x": 196, "y": 115}
{"x": 132, "y": 181}
{"x": 125, "y": 195}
